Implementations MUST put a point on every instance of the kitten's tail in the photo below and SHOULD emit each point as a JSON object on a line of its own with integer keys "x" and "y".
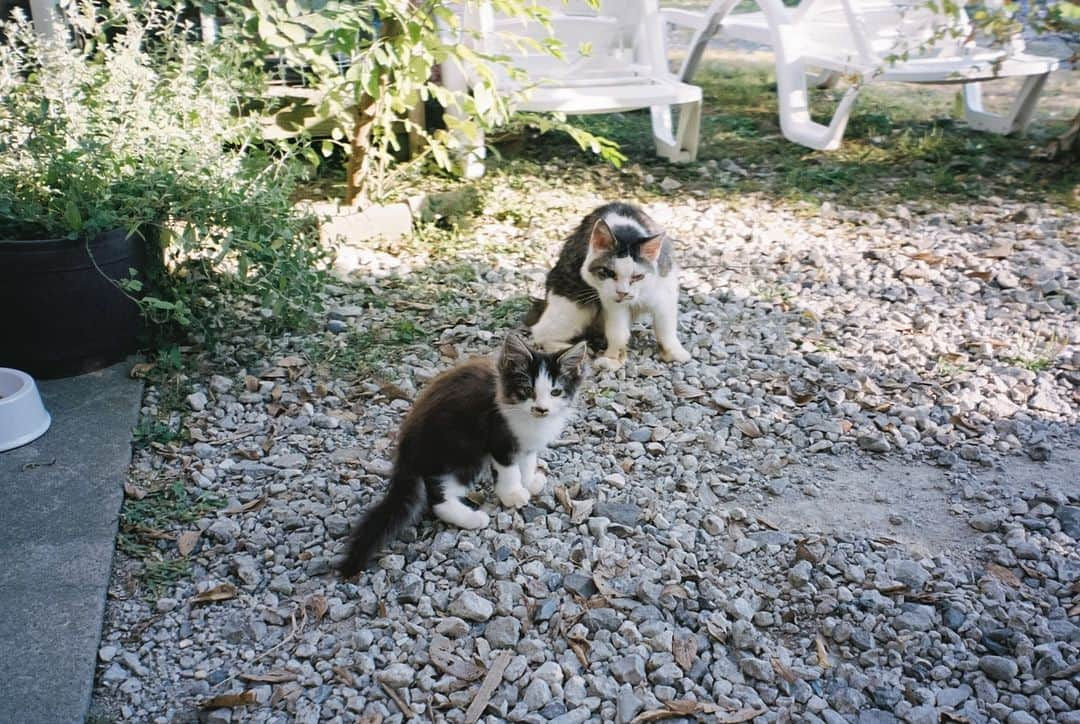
{"x": 402, "y": 506}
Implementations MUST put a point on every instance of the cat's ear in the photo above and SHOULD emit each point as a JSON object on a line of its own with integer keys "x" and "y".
{"x": 649, "y": 248}
{"x": 515, "y": 352}
{"x": 601, "y": 240}
{"x": 573, "y": 359}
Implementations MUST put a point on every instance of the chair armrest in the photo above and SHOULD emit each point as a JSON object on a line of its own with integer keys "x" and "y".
{"x": 682, "y": 18}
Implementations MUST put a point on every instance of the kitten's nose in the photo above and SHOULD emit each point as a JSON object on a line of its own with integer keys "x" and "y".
{"x": 619, "y": 296}
{"x": 539, "y": 411}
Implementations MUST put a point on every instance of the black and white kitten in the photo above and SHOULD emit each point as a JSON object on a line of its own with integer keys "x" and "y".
{"x": 616, "y": 266}
{"x": 499, "y": 412}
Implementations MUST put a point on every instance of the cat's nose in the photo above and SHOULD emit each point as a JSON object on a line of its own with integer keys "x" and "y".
{"x": 619, "y": 296}
{"x": 539, "y": 411}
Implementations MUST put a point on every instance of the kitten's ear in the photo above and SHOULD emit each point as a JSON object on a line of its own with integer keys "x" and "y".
{"x": 515, "y": 352}
{"x": 601, "y": 239}
{"x": 574, "y": 358}
{"x": 650, "y": 247}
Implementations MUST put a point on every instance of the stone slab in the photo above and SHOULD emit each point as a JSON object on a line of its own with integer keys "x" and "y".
{"x": 61, "y": 502}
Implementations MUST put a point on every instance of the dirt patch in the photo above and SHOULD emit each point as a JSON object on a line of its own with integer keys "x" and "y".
{"x": 923, "y": 507}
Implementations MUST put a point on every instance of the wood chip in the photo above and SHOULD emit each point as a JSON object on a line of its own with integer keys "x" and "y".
{"x": 186, "y": 541}
{"x": 277, "y": 676}
{"x": 222, "y": 701}
{"x": 487, "y": 687}
{"x": 220, "y": 592}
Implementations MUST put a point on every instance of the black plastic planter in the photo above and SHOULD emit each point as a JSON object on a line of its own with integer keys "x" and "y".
{"x": 59, "y": 314}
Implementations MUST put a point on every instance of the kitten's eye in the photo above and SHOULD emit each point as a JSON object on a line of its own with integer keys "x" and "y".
{"x": 637, "y": 277}
{"x": 526, "y": 391}
{"x": 556, "y": 392}
{"x": 605, "y": 274}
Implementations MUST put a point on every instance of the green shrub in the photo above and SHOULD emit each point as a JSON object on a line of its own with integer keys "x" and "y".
{"x": 132, "y": 125}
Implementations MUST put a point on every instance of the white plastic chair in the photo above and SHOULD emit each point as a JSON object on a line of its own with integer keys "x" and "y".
{"x": 892, "y": 40}
{"x": 614, "y": 60}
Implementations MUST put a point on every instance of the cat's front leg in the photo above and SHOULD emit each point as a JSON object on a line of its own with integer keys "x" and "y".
{"x": 508, "y": 485}
{"x": 665, "y": 313}
{"x": 531, "y": 478}
{"x": 617, "y": 332}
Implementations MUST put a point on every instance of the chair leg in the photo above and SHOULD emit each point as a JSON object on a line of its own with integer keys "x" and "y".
{"x": 794, "y": 101}
{"x": 1018, "y": 117}
{"x": 680, "y": 146}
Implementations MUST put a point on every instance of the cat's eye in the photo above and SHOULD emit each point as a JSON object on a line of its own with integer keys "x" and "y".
{"x": 556, "y": 392}
{"x": 605, "y": 273}
{"x": 526, "y": 391}
{"x": 637, "y": 277}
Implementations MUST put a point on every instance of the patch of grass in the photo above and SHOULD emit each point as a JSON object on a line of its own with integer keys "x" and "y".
{"x": 362, "y": 353}
{"x": 145, "y": 527}
{"x": 1037, "y": 364}
{"x": 150, "y": 430}
{"x": 900, "y": 147}
{"x": 510, "y": 312}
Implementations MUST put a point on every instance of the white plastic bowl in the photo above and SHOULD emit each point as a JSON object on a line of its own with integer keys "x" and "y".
{"x": 23, "y": 417}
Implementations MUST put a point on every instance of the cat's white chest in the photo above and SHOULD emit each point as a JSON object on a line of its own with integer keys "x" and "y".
{"x": 535, "y": 433}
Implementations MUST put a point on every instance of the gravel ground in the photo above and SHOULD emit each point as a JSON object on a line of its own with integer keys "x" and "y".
{"x": 655, "y": 573}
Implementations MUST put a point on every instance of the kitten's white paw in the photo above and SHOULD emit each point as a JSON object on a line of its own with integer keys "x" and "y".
{"x": 604, "y": 362}
{"x": 539, "y": 480}
{"x": 514, "y": 497}
{"x": 477, "y": 520}
{"x": 674, "y": 354}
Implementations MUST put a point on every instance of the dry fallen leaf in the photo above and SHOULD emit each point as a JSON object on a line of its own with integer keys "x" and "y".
{"x": 602, "y": 586}
{"x": 748, "y": 428}
{"x": 444, "y": 660}
{"x": 185, "y": 542}
{"x": 248, "y": 506}
{"x": 564, "y": 498}
{"x": 685, "y": 651}
{"x": 291, "y": 361}
{"x": 685, "y": 707}
{"x": 675, "y": 590}
{"x": 684, "y": 391}
{"x": 134, "y": 491}
{"x": 448, "y": 350}
{"x": 582, "y": 510}
{"x": 1003, "y": 574}
{"x": 229, "y": 700}
{"x": 318, "y": 606}
{"x": 822, "y": 653}
{"x": 276, "y": 676}
{"x": 783, "y": 671}
{"x": 344, "y": 676}
{"x": 220, "y": 592}
{"x": 717, "y": 629}
{"x": 140, "y": 370}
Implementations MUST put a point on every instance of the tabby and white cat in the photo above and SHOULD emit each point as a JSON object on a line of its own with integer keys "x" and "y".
{"x": 499, "y": 412}
{"x": 617, "y": 265}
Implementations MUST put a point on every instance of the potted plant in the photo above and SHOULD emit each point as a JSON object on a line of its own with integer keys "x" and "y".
{"x": 130, "y": 187}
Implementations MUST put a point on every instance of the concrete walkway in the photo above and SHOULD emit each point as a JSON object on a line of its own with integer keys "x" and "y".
{"x": 59, "y": 504}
